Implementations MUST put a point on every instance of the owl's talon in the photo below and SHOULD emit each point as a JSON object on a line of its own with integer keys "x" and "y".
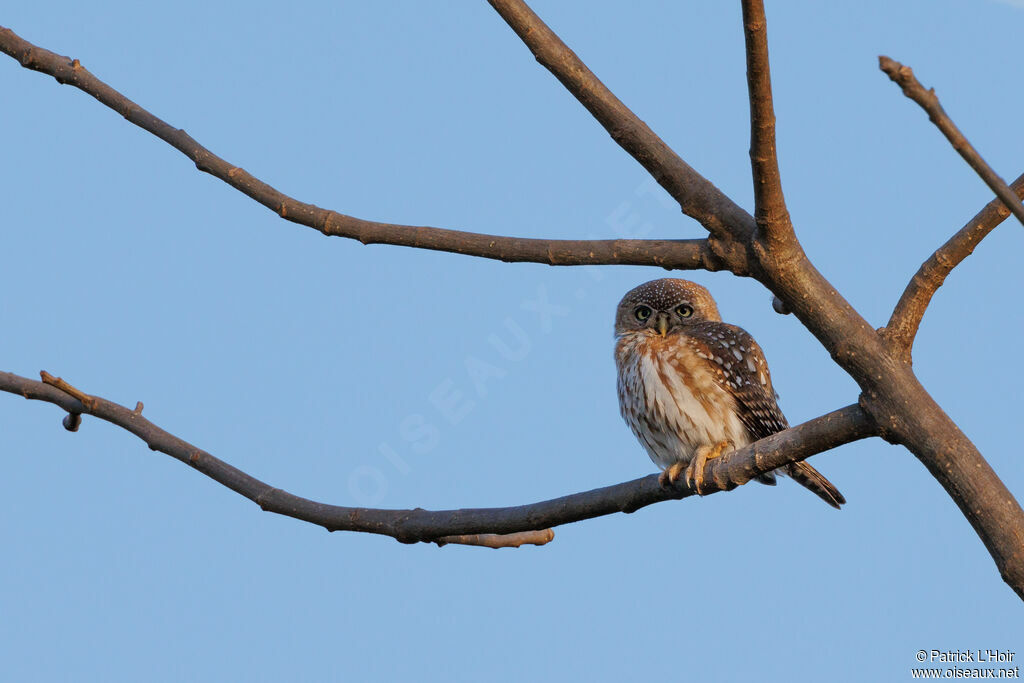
{"x": 670, "y": 475}
{"x": 695, "y": 470}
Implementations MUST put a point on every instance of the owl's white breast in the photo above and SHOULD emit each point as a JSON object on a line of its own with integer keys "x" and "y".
{"x": 672, "y": 402}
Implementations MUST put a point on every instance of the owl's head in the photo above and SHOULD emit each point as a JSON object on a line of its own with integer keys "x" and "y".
{"x": 664, "y": 306}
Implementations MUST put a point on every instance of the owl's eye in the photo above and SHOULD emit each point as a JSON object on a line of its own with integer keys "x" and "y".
{"x": 642, "y": 313}
{"x": 684, "y": 311}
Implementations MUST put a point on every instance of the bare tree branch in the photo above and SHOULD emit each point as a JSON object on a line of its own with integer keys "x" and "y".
{"x": 903, "y": 76}
{"x": 770, "y": 211}
{"x": 418, "y": 525}
{"x": 674, "y": 254}
{"x": 906, "y": 317}
{"x": 892, "y": 403}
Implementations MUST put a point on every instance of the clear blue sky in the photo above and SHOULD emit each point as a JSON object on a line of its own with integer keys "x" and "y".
{"x": 303, "y": 360}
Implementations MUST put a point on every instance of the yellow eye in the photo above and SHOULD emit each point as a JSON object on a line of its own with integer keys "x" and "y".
{"x": 684, "y": 311}
{"x": 642, "y": 313}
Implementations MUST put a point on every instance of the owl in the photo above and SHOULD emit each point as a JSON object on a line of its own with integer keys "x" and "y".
{"x": 692, "y": 387}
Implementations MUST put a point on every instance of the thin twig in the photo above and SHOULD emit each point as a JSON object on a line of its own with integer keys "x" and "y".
{"x": 672, "y": 254}
{"x": 770, "y": 211}
{"x": 538, "y": 537}
{"x": 903, "y": 76}
{"x": 418, "y": 525}
{"x": 85, "y": 399}
{"x": 906, "y": 317}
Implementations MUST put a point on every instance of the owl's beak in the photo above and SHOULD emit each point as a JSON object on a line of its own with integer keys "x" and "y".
{"x": 662, "y": 324}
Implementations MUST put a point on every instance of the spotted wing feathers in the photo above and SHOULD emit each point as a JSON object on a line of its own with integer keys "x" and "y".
{"x": 743, "y": 372}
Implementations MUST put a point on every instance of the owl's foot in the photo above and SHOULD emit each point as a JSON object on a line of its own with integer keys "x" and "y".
{"x": 694, "y": 475}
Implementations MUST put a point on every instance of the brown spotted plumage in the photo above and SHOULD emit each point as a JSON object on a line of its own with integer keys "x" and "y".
{"x": 692, "y": 387}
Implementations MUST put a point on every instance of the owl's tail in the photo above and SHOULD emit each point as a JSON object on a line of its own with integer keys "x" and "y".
{"x": 810, "y": 478}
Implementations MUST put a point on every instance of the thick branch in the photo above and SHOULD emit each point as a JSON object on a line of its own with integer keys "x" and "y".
{"x": 417, "y": 525}
{"x": 697, "y": 197}
{"x": 673, "y": 254}
{"x": 770, "y": 211}
{"x": 906, "y": 317}
{"x": 903, "y": 76}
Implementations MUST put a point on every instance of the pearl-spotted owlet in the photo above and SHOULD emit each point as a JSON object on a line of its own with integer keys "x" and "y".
{"x": 692, "y": 387}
